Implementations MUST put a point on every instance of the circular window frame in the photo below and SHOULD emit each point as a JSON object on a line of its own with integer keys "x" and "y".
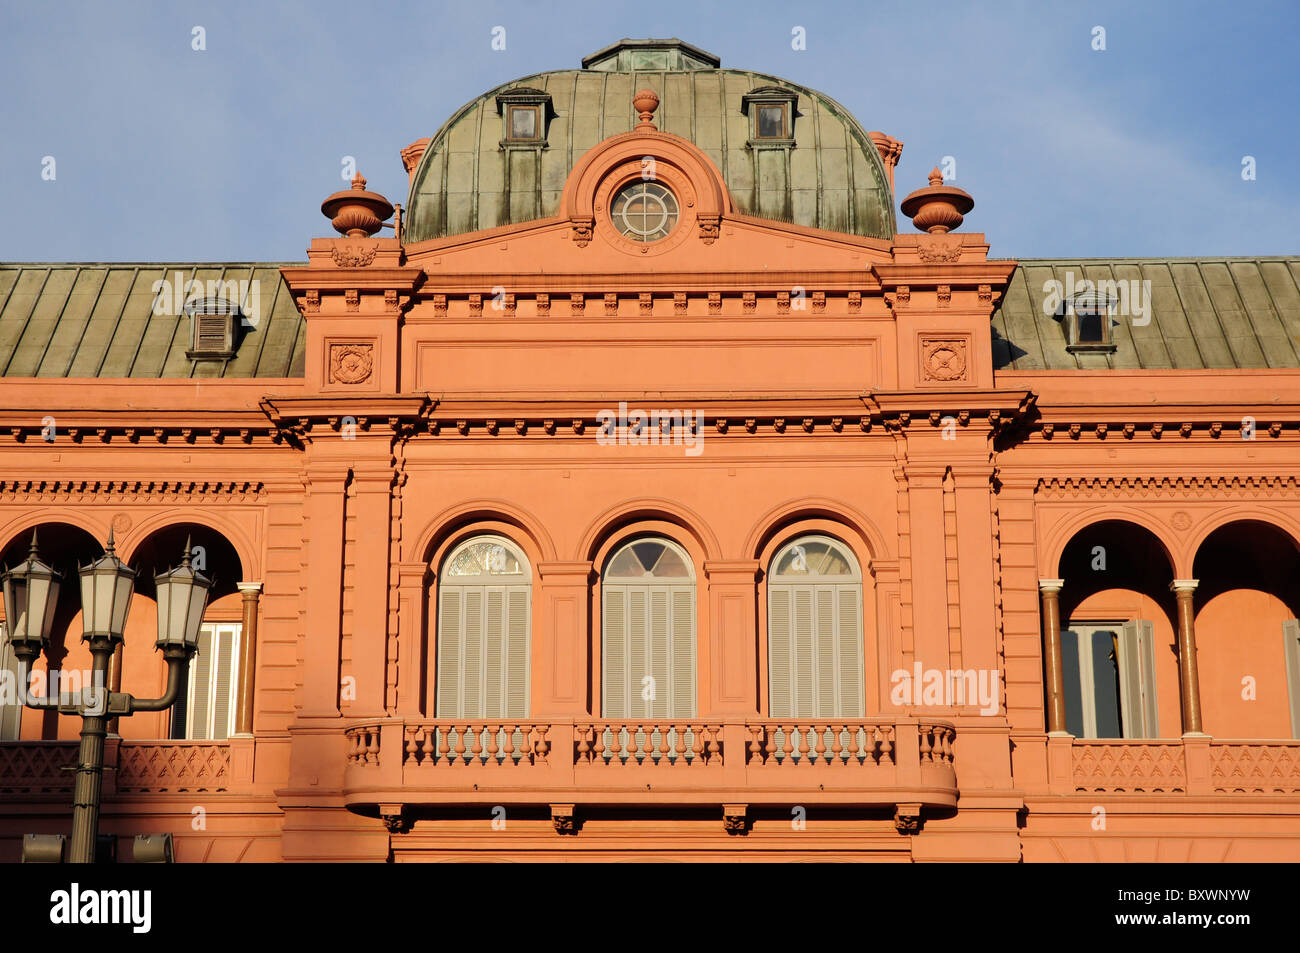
{"x": 628, "y": 172}
{"x": 651, "y": 190}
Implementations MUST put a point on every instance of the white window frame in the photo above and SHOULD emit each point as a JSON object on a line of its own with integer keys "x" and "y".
{"x": 1139, "y": 714}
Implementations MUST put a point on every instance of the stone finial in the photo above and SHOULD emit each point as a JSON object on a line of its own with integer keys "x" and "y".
{"x": 937, "y": 208}
{"x": 646, "y": 101}
{"x": 355, "y": 212}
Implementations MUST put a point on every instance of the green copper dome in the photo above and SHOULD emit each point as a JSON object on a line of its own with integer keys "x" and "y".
{"x": 812, "y": 164}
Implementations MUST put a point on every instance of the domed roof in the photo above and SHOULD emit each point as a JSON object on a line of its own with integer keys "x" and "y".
{"x": 821, "y": 170}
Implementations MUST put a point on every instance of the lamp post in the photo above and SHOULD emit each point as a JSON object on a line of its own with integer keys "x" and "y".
{"x": 31, "y": 591}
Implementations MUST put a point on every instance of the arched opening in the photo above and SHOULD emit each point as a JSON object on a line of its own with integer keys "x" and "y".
{"x": 1119, "y": 659}
{"x": 207, "y": 708}
{"x": 67, "y": 662}
{"x": 815, "y": 649}
{"x": 648, "y": 633}
{"x": 1247, "y": 636}
{"x": 483, "y": 612}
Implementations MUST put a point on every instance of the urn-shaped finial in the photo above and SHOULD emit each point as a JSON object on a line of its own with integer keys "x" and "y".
{"x": 355, "y": 212}
{"x": 938, "y": 208}
{"x": 646, "y": 101}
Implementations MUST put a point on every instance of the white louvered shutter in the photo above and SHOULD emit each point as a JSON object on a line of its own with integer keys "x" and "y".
{"x": 815, "y": 652}
{"x": 450, "y": 636}
{"x": 1138, "y": 681}
{"x": 683, "y": 648}
{"x": 614, "y": 635}
{"x": 780, "y": 635}
{"x": 210, "y": 700}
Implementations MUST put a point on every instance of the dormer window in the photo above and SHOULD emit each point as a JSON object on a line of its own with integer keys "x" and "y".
{"x": 1088, "y": 318}
{"x": 772, "y": 112}
{"x": 214, "y": 329}
{"x": 525, "y": 113}
{"x": 771, "y": 121}
{"x": 523, "y": 123}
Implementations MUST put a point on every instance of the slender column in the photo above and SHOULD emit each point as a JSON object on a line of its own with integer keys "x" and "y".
{"x": 1050, "y": 589}
{"x": 1188, "y": 680}
{"x": 251, "y": 591}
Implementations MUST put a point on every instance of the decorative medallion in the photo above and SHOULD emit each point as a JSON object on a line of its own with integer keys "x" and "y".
{"x": 354, "y": 255}
{"x": 939, "y": 249}
{"x": 351, "y": 363}
{"x": 121, "y": 523}
{"x": 1181, "y": 521}
{"x": 943, "y": 359}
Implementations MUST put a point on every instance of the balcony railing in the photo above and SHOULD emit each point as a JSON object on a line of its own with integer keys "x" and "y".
{"x": 622, "y": 761}
{"x": 29, "y": 768}
{"x": 1182, "y": 766}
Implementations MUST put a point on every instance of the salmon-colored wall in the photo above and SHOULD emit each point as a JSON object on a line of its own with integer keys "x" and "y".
{"x": 1238, "y": 636}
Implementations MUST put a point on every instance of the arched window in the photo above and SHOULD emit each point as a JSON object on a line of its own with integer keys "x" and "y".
{"x": 814, "y": 629}
{"x": 484, "y": 595}
{"x": 648, "y": 632}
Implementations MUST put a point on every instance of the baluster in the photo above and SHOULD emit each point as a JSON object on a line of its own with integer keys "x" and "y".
{"x": 714, "y": 747}
{"x": 460, "y": 743}
{"x": 543, "y": 743}
{"x": 926, "y": 748}
{"x": 508, "y": 744}
{"x": 352, "y": 746}
{"x": 787, "y": 744}
{"x": 697, "y": 744}
{"x": 492, "y": 730}
{"x": 597, "y": 754}
{"x": 584, "y": 749}
{"x": 372, "y": 754}
{"x": 476, "y": 745}
{"x": 444, "y": 742}
{"x": 948, "y": 737}
{"x": 526, "y": 746}
{"x": 664, "y": 747}
{"x": 679, "y": 745}
{"x": 769, "y": 750}
{"x": 837, "y": 749}
{"x": 410, "y": 745}
{"x": 820, "y": 748}
{"x": 887, "y": 745}
{"x": 426, "y": 744}
{"x": 755, "y": 746}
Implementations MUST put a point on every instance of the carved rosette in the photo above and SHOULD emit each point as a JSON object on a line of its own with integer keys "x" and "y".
{"x": 351, "y": 363}
{"x": 944, "y": 359}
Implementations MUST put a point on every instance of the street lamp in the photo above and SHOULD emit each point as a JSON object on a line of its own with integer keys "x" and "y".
{"x": 31, "y": 593}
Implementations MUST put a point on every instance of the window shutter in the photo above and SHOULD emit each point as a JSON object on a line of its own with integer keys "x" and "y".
{"x": 803, "y": 653}
{"x": 1291, "y": 652}
{"x": 494, "y": 669}
{"x": 660, "y": 644}
{"x": 779, "y": 632}
{"x": 849, "y": 633}
{"x": 683, "y": 697}
{"x": 223, "y": 681}
{"x": 471, "y": 671}
{"x": 614, "y": 637}
{"x": 637, "y": 624}
{"x": 200, "y": 687}
{"x": 825, "y": 644}
{"x": 450, "y": 636}
{"x": 517, "y": 660}
{"x": 1137, "y": 680}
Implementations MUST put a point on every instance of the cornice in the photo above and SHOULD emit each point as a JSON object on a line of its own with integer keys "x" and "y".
{"x": 1086, "y": 487}
{"x": 73, "y": 491}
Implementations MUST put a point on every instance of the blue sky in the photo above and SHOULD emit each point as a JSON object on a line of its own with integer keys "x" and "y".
{"x": 169, "y": 154}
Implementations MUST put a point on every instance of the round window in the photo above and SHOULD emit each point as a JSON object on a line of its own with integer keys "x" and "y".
{"x": 644, "y": 211}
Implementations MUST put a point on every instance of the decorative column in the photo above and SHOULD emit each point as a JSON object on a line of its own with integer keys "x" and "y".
{"x": 562, "y": 642}
{"x": 1188, "y": 680}
{"x": 251, "y": 591}
{"x": 1050, "y": 590}
{"x": 732, "y": 653}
